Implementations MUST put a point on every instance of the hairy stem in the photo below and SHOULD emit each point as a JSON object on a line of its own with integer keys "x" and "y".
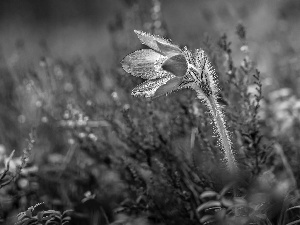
{"x": 221, "y": 130}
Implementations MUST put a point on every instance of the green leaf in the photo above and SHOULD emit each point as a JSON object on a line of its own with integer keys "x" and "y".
{"x": 208, "y": 205}
{"x": 208, "y": 194}
{"x": 294, "y": 222}
{"x": 227, "y": 202}
{"x": 207, "y": 219}
{"x": 67, "y": 211}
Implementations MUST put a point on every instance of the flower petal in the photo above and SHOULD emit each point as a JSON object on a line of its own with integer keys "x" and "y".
{"x": 157, "y": 43}
{"x": 169, "y": 87}
{"x": 149, "y": 87}
{"x": 167, "y": 49}
{"x": 176, "y": 65}
{"x": 144, "y": 63}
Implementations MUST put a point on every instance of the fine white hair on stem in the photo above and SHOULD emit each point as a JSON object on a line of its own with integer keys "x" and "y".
{"x": 211, "y": 100}
{"x": 219, "y": 120}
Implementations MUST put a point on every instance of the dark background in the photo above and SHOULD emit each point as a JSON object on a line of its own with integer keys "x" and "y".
{"x": 73, "y": 27}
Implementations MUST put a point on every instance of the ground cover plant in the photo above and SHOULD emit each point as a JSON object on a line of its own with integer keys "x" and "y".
{"x": 201, "y": 141}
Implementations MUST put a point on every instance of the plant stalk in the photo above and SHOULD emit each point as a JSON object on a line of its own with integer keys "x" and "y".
{"x": 221, "y": 130}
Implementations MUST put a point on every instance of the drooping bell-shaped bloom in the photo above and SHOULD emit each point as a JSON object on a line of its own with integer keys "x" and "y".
{"x": 167, "y": 68}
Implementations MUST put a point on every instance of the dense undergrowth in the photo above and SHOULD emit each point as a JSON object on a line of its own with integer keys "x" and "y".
{"x": 99, "y": 156}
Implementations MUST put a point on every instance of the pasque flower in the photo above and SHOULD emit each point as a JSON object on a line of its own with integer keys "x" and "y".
{"x": 168, "y": 68}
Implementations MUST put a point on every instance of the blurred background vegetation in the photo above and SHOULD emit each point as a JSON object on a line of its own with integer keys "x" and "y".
{"x": 60, "y": 74}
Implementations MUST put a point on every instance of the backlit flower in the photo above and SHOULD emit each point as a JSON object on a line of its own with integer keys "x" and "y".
{"x": 168, "y": 68}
